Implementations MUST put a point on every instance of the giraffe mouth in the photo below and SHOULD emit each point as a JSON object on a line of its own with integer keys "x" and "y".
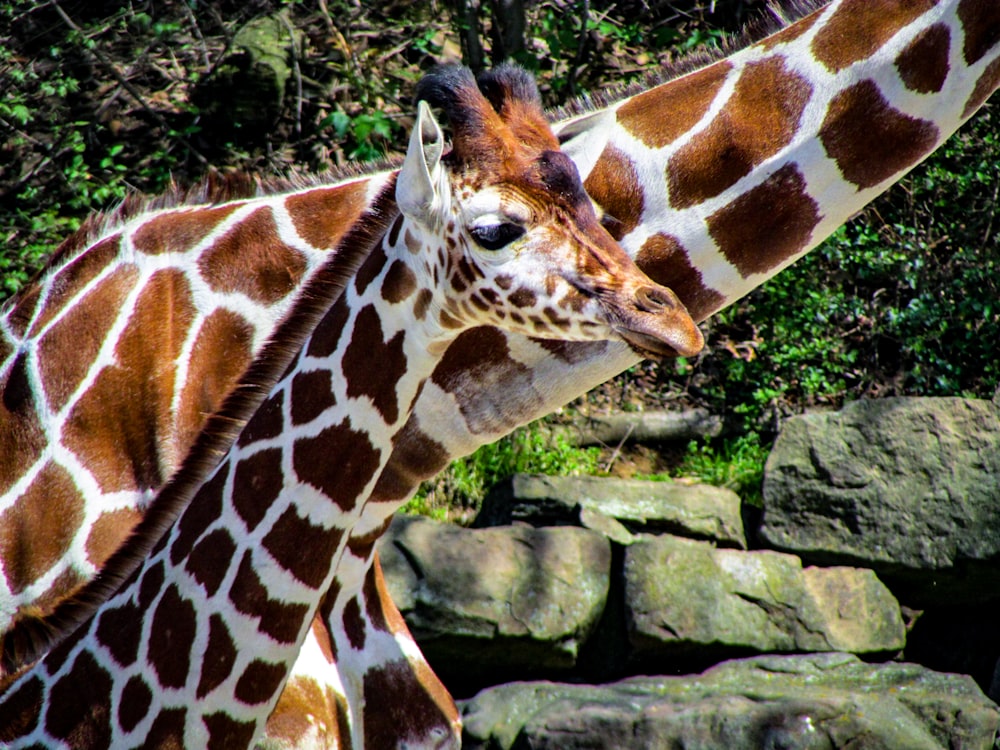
{"x": 647, "y": 346}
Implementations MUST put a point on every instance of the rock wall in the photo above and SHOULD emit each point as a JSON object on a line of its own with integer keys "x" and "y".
{"x": 581, "y": 584}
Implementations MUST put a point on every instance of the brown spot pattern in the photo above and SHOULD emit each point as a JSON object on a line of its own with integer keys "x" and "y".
{"x": 303, "y": 705}
{"x": 985, "y": 86}
{"x": 503, "y": 386}
{"x": 67, "y": 350}
{"x": 759, "y": 120}
{"x": 325, "y": 337}
{"x": 257, "y": 482}
{"x": 20, "y": 315}
{"x": 665, "y": 261}
{"x": 870, "y": 141}
{"x": 124, "y": 448}
{"x": 923, "y": 65}
{"x": 152, "y": 582}
{"x": 79, "y": 704}
{"x": 225, "y": 732}
{"x": 108, "y": 533}
{"x": 312, "y": 394}
{"x": 860, "y": 27}
{"x": 120, "y": 630}
{"x": 367, "y": 348}
{"x": 259, "y": 682}
{"x": 790, "y": 33}
{"x": 354, "y": 624}
{"x": 424, "y": 299}
{"x": 339, "y": 462}
{"x": 403, "y": 705}
{"x": 767, "y": 224}
{"x": 219, "y": 357}
{"x": 136, "y": 699}
{"x": 204, "y": 510}
{"x": 302, "y": 548}
{"x": 981, "y": 22}
{"x": 219, "y": 658}
{"x": 21, "y": 433}
{"x": 322, "y": 216}
{"x": 71, "y": 279}
{"x": 250, "y": 258}
{"x": 20, "y": 710}
{"x": 278, "y": 620}
{"x": 210, "y": 559}
{"x": 171, "y": 638}
{"x": 415, "y": 457}
{"x": 370, "y": 269}
{"x": 178, "y": 231}
{"x": 167, "y": 730}
{"x": 399, "y": 284}
{"x": 614, "y": 185}
{"x": 37, "y": 530}
{"x": 267, "y": 422}
{"x": 686, "y": 100}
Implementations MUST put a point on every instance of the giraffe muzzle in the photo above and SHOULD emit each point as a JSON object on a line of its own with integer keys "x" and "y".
{"x": 655, "y": 323}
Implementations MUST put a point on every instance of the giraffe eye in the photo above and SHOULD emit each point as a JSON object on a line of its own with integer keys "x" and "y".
{"x": 496, "y": 236}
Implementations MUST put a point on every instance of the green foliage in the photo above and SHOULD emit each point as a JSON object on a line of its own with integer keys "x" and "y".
{"x": 463, "y": 485}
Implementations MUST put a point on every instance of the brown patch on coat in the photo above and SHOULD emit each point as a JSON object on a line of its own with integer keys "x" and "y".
{"x": 354, "y": 624}
{"x": 171, "y": 638}
{"x": 778, "y": 214}
{"x": 209, "y": 561}
{"x": 21, "y": 709}
{"x": 339, "y": 462}
{"x": 220, "y": 355}
{"x": 21, "y": 433}
{"x": 152, "y": 582}
{"x": 382, "y": 611}
{"x": 667, "y": 262}
{"x": 424, "y": 299}
{"x": 923, "y": 65}
{"x": 323, "y": 215}
{"x": 759, "y": 120}
{"x": 219, "y": 658}
{"x": 126, "y": 449}
{"x": 79, "y": 705}
{"x": 135, "y": 703}
{"x": 985, "y": 86}
{"x": 869, "y": 139}
{"x": 661, "y": 115}
{"x": 251, "y": 258}
{"x": 503, "y": 385}
{"x": 38, "y": 529}
{"x": 167, "y": 730}
{"x": 258, "y": 480}
{"x": 225, "y": 732}
{"x": 179, "y": 231}
{"x": 303, "y": 706}
{"x": 19, "y": 316}
{"x": 279, "y": 620}
{"x": 312, "y": 394}
{"x": 325, "y": 337}
{"x": 370, "y": 269}
{"x": 981, "y": 22}
{"x": 259, "y": 682}
{"x": 71, "y": 280}
{"x": 67, "y": 350}
{"x": 859, "y": 28}
{"x": 291, "y": 534}
{"x": 415, "y": 457}
{"x": 204, "y": 510}
{"x": 119, "y": 629}
{"x": 614, "y": 185}
{"x": 400, "y": 282}
{"x": 267, "y": 422}
{"x": 108, "y": 532}
{"x": 367, "y": 346}
{"x": 403, "y": 706}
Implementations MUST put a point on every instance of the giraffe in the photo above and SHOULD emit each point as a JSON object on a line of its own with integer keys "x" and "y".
{"x": 805, "y": 148}
{"x": 500, "y": 232}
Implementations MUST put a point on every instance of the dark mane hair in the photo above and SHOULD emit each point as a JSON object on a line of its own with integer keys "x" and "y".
{"x": 30, "y": 638}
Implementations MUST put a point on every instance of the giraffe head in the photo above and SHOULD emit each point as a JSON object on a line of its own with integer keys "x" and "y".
{"x": 521, "y": 245}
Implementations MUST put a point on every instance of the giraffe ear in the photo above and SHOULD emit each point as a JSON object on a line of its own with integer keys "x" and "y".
{"x": 418, "y": 187}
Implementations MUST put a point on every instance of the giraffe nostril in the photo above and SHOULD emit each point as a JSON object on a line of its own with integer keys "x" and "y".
{"x": 650, "y": 299}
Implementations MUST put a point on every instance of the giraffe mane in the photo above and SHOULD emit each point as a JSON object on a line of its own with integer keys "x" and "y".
{"x": 31, "y": 637}
{"x": 777, "y": 15}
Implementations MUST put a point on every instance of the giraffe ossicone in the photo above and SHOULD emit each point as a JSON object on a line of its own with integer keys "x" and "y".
{"x": 190, "y": 634}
